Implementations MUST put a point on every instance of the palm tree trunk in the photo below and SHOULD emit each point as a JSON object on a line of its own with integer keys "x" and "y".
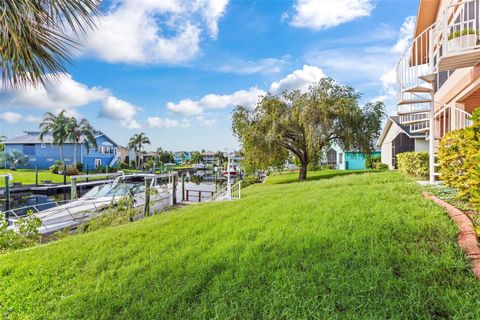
{"x": 75, "y": 154}
{"x": 60, "y": 150}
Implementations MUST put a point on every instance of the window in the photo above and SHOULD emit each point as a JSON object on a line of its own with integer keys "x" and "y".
{"x": 29, "y": 149}
{"x": 98, "y": 163}
{"x": 340, "y": 157}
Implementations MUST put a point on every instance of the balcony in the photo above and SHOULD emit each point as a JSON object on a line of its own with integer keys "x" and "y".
{"x": 459, "y": 36}
{"x": 450, "y": 43}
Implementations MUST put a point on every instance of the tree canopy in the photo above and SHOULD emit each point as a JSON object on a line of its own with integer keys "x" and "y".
{"x": 304, "y": 124}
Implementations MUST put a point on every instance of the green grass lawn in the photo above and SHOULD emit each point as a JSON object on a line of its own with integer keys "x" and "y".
{"x": 364, "y": 246}
{"x": 27, "y": 176}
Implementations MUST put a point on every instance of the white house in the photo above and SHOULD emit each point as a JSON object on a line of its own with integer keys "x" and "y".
{"x": 396, "y": 138}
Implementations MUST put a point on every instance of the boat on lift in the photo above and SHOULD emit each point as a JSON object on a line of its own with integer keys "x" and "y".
{"x": 231, "y": 170}
{"x": 98, "y": 199}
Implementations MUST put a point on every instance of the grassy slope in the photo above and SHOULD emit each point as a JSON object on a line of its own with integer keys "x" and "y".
{"x": 361, "y": 246}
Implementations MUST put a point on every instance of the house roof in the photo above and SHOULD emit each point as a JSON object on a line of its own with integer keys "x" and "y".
{"x": 33, "y": 137}
{"x": 395, "y": 120}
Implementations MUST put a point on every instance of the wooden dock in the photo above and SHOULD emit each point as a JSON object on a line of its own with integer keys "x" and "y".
{"x": 52, "y": 188}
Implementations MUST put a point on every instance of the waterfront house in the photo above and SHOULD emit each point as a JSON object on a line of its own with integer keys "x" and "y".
{"x": 397, "y": 138}
{"x": 181, "y": 157}
{"x": 209, "y": 158}
{"x": 44, "y": 153}
{"x": 438, "y": 74}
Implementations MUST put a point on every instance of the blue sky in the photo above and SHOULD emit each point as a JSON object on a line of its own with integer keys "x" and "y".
{"x": 174, "y": 69}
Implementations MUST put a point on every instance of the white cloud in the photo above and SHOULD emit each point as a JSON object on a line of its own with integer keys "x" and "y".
{"x": 323, "y": 14}
{"x": 130, "y": 124}
{"x": 186, "y": 107}
{"x": 205, "y": 122}
{"x": 299, "y": 79}
{"x": 244, "y": 67}
{"x": 212, "y": 11}
{"x": 405, "y": 35}
{"x": 114, "y": 108}
{"x": 10, "y": 117}
{"x": 62, "y": 92}
{"x": 148, "y": 31}
{"x": 59, "y": 92}
{"x": 157, "y": 122}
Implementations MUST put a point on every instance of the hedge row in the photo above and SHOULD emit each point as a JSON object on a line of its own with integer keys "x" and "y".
{"x": 413, "y": 163}
{"x": 459, "y": 161}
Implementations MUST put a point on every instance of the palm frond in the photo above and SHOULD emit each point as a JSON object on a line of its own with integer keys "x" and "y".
{"x": 34, "y": 39}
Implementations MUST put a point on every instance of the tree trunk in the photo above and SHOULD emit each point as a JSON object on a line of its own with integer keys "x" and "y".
{"x": 60, "y": 150}
{"x": 303, "y": 172}
{"x": 75, "y": 154}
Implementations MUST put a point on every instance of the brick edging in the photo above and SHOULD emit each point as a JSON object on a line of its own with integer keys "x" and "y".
{"x": 467, "y": 238}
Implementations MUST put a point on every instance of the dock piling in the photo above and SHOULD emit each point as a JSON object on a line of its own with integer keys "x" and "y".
{"x": 7, "y": 193}
{"x": 146, "y": 211}
{"x": 73, "y": 189}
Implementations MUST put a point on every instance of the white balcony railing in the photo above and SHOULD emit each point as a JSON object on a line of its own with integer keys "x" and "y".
{"x": 450, "y": 43}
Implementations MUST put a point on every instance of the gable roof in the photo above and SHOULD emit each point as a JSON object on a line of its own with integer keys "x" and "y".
{"x": 395, "y": 120}
{"x": 33, "y": 137}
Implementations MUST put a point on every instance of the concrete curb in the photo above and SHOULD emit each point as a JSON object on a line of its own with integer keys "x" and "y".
{"x": 467, "y": 238}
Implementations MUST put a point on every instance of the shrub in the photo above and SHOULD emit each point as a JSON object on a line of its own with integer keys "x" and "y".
{"x": 99, "y": 169}
{"x": 26, "y": 233}
{"x": 58, "y": 166}
{"x": 370, "y": 161}
{"x": 413, "y": 163}
{"x": 79, "y": 166}
{"x": 249, "y": 180}
{"x": 459, "y": 161}
{"x": 72, "y": 171}
{"x": 380, "y": 166}
{"x": 124, "y": 165}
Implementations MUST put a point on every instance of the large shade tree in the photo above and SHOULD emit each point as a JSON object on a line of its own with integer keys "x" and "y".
{"x": 305, "y": 124}
{"x": 37, "y": 37}
{"x": 136, "y": 143}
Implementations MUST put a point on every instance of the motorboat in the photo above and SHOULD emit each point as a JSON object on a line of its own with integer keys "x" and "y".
{"x": 95, "y": 201}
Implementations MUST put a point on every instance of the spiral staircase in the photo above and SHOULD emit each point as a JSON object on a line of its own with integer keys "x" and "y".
{"x": 417, "y": 75}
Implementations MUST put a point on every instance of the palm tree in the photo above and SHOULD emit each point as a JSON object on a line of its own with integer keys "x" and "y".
{"x": 35, "y": 37}
{"x": 220, "y": 157}
{"x": 196, "y": 157}
{"x": 2, "y": 140}
{"x": 56, "y": 126}
{"x": 78, "y": 129}
{"x": 16, "y": 158}
{"x": 136, "y": 143}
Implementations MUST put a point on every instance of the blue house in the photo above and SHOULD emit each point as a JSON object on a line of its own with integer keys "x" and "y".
{"x": 44, "y": 153}
{"x": 182, "y": 156}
